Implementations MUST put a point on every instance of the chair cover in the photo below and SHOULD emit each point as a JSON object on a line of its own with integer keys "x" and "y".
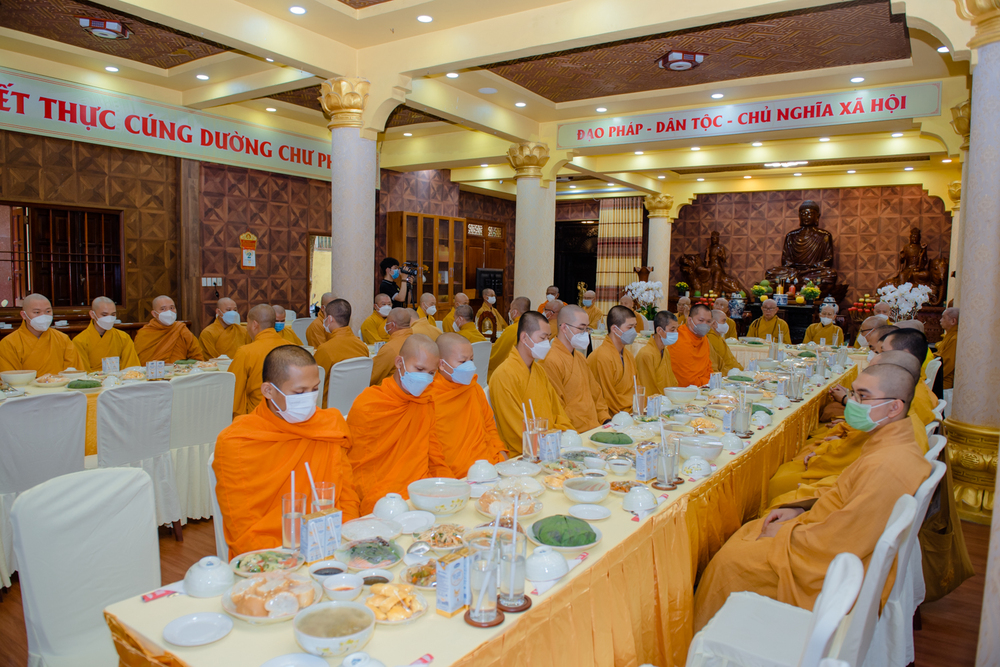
{"x": 34, "y": 448}
{"x": 481, "y": 357}
{"x": 202, "y": 407}
{"x": 939, "y": 409}
{"x": 299, "y": 326}
{"x": 133, "y": 429}
{"x": 933, "y": 366}
{"x": 221, "y": 548}
{"x": 322, "y": 378}
{"x": 948, "y": 393}
{"x": 101, "y": 523}
{"x": 348, "y": 378}
{"x": 930, "y": 428}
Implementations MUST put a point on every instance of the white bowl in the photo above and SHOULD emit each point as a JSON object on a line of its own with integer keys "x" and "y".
{"x": 619, "y": 467}
{"x": 781, "y": 402}
{"x": 695, "y": 447}
{"x": 571, "y": 440}
{"x": 732, "y": 443}
{"x": 73, "y": 375}
{"x": 208, "y": 578}
{"x": 594, "y": 462}
{"x": 760, "y": 418}
{"x": 696, "y": 467}
{"x": 440, "y": 495}
{"x": 390, "y": 506}
{"x": 586, "y": 490}
{"x": 767, "y": 364}
{"x": 622, "y": 419}
{"x": 594, "y": 472}
{"x": 545, "y": 564}
{"x": 482, "y": 471}
{"x": 639, "y": 498}
{"x": 343, "y": 587}
{"x": 18, "y": 378}
{"x": 681, "y": 395}
{"x": 331, "y": 646}
{"x": 322, "y": 565}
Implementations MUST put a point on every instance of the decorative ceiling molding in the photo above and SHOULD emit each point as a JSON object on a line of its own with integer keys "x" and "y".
{"x": 304, "y": 97}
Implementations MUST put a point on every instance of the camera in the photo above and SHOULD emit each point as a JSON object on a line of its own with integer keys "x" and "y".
{"x": 408, "y": 268}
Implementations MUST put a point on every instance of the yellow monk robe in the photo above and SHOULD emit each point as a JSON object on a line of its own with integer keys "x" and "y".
{"x": 52, "y": 352}
{"x": 577, "y": 388}
{"x": 691, "y": 359}
{"x": 682, "y": 319}
{"x": 831, "y": 333}
{"x": 501, "y": 320}
{"x": 731, "y": 333}
{"x": 248, "y": 367}
{"x": 430, "y": 318}
{"x": 595, "y": 314}
{"x": 94, "y": 347}
{"x": 791, "y": 566}
{"x": 923, "y": 367}
{"x": 426, "y": 328}
{"x": 394, "y": 442}
{"x": 288, "y": 333}
{"x": 502, "y": 347}
{"x": 946, "y": 350}
{"x": 554, "y": 327}
{"x": 217, "y": 339}
{"x": 513, "y": 384}
{"x": 343, "y": 345}
{"x": 464, "y": 424}
{"x": 653, "y": 368}
{"x": 471, "y": 333}
{"x": 155, "y": 342}
{"x": 760, "y": 328}
{"x": 384, "y": 363}
{"x": 720, "y": 355}
{"x": 616, "y": 375}
{"x": 316, "y": 334}
{"x": 254, "y": 459}
{"x": 449, "y": 319}
{"x": 373, "y": 329}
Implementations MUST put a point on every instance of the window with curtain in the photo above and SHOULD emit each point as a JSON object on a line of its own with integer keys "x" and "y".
{"x": 619, "y": 247}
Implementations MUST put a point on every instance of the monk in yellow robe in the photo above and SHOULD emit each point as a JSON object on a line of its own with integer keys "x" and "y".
{"x": 612, "y": 362}
{"x": 640, "y": 321}
{"x": 914, "y": 342}
{"x": 164, "y": 338}
{"x": 398, "y": 326}
{"x": 566, "y": 367}
{"x": 769, "y": 324}
{"x": 551, "y": 294}
{"x": 825, "y": 329}
{"x": 946, "y": 346}
{"x": 255, "y": 456}
{"x": 691, "y": 356}
{"x": 373, "y": 328}
{"x": 464, "y": 421}
{"x": 519, "y": 384}
{"x": 35, "y": 346}
{"x": 464, "y": 324}
{"x": 652, "y": 362}
{"x": 343, "y": 344}
{"x": 683, "y": 309}
{"x": 284, "y": 328}
{"x": 393, "y": 426}
{"x": 594, "y": 313}
{"x": 449, "y": 320}
{"x": 723, "y": 305}
{"x": 785, "y": 555}
{"x": 100, "y": 340}
{"x": 719, "y": 354}
{"x": 550, "y": 310}
{"x": 508, "y": 339}
{"x": 225, "y": 335}
{"x": 489, "y": 302}
{"x": 883, "y": 310}
{"x": 316, "y": 335}
{"x": 420, "y": 325}
{"x": 248, "y": 363}
{"x": 428, "y": 308}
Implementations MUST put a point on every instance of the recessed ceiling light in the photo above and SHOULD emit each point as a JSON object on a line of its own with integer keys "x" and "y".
{"x": 271, "y": 109}
{"x": 295, "y": 9}
{"x": 717, "y": 96}
{"x": 452, "y": 75}
{"x": 638, "y": 152}
{"x": 857, "y": 79}
{"x": 824, "y": 138}
{"x": 423, "y": 18}
{"x": 270, "y": 60}
{"x": 501, "y": 182}
{"x": 748, "y": 177}
{"x": 488, "y": 91}
{"x": 601, "y": 109}
{"x": 520, "y": 104}
{"x": 701, "y": 179}
{"x": 852, "y": 171}
{"x": 946, "y": 160}
{"x": 572, "y": 187}
{"x": 661, "y": 177}
{"x": 757, "y": 144}
{"x": 943, "y": 49}
{"x": 407, "y": 134}
{"x": 611, "y": 185}
{"x": 484, "y": 165}
{"x": 907, "y": 168}
{"x": 695, "y": 148}
{"x": 201, "y": 77}
{"x": 897, "y": 135}
{"x": 111, "y": 69}
{"x": 796, "y": 174}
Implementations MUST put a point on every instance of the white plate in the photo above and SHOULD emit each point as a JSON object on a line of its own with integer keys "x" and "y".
{"x": 518, "y": 468}
{"x": 531, "y": 536}
{"x": 420, "y": 598}
{"x": 590, "y": 512}
{"x": 296, "y": 660}
{"x": 415, "y": 521}
{"x": 369, "y": 527}
{"x": 197, "y": 629}
{"x": 299, "y": 561}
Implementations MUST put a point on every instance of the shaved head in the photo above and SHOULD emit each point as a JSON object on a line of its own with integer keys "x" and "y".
{"x": 882, "y": 308}
{"x": 102, "y": 306}
{"x": 878, "y": 333}
{"x": 627, "y": 301}
{"x": 427, "y": 300}
{"x": 279, "y": 313}
{"x": 872, "y": 323}
{"x": 590, "y": 294}
{"x": 949, "y": 318}
{"x": 225, "y": 304}
{"x": 721, "y": 304}
{"x": 828, "y": 311}
{"x": 262, "y": 314}
{"x": 664, "y": 319}
{"x": 399, "y": 318}
{"x": 453, "y": 350}
{"x": 419, "y": 354}
{"x": 382, "y": 300}
{"x": 683, "y": 305}
{"x": 279, "y": 360}
{"x": 521, "y": 304}
{"x": 553, "y": 290}
{"x": 911, "y": 324}
{"x": 769, "y": 309}
{"x": 340, "y": 311}
{"x": 906, "y": 340}
{"x": 552, "y": 308}
{"x": 414, "y": 316}
{"x": 163, "y": 302}
{"x": 886, "y": 381}
{"x": 530, "y": 322}
{"x": 464, "y": 312}
{"x": 461, "y": 299}
{"x": 101, "y": 301}
{"x": 718, "y": 316}
{"x": 619, "y": 316}
{"x": 900, "y": 358}
{"x": 487, "y": 293}
{"x": 325, "y": 299}
{"x": 572, "y": 315}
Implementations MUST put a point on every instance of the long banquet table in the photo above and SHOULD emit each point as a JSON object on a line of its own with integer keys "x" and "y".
{"x": 630, "y": 602}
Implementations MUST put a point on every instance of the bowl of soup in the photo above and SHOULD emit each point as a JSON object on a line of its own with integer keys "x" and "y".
{"x": 334, "y": 628}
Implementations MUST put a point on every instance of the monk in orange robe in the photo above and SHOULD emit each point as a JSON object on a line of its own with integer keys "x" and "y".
{"x": 420, "y": 325}
{"x": 343, "y": 344}
{"x": 508, "y": 339}
{"x": 164, "y": 338}
{"x": 393, "y": 426}
{"x": 100, "y": 340}
{"x": 489, "y": 299}
{"x": 283, "y": 327}
{"x": 551, "y": 294}
{"x": 248, "y": 363}
{"x": 316, "y": 335}
{"x": 225, "y": 335}
{"x": 567, "y": 370}
{"x": 35, "y": 346}
{"x": 652, "y": 362}
{"x": 786, "y": 554}
{"x": 255, "y": 456}
{"x": 398, "y": 326}
{"x": 690, "y": 356}
{"x": 464, "y": 324}
{"x": 463, "y": 417}
{"x": 612, "y": 362}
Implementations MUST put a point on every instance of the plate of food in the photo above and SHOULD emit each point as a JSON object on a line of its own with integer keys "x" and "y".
{"x": 610, "y": 453}
{"x": 577, "y": 455}
{"x": 497, "y": 500}
{"x": 603, "y": 439}
{"x": 86, "y": 386}
{"x": 132, "y": 376}
{"x": 272, "y": 597}
{"x": 528, "y": 485}
{"x": 368, "y": 527}
{"x": 186, "y": 362}
{"x": 702, "y": 425}
{"x": 443, "y": 537}
{"x": 555, "y": 480}
{"x": 563, "y": 465}
{"x": 422, "y": 575}
{"x": 370, "y": 554}
{"x": 624, "y": 486}
{"x": 207, "y": 366}
{"x": 50, "y": 381}
{"x": 564, "y": 533}
{"x": 517, "y": 468}
{"x": 396, "y": 604}
{"x": 266, "y": 560}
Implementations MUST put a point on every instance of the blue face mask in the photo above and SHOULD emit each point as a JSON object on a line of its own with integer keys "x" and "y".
{"x": 587, "y": 303}
{"x": 415, "y": 383}
{"x": 670, "y": 338}
{"x": 463, "y": 373}
{"x": 278, "y": 326}
{"x": 395, "y": 273}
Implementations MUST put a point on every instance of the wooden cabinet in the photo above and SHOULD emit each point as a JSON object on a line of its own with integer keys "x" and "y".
{"x": 485, "y": 250}
{"x": 436, "y": 243}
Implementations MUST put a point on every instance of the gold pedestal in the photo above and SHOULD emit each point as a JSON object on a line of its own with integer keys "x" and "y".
{"x": 973, "y": 457}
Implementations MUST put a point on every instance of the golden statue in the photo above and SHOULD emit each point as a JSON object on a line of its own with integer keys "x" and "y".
{"x": 916, "y": 268}
{"x": 808, "y": 255}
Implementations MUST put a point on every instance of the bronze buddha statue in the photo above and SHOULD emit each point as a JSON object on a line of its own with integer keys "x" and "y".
{"x": 808, "y": 254}
{"x": 916, "y": 268}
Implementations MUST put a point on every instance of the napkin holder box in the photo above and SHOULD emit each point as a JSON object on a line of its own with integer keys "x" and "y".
{"x": 320, "y": 535}
{"x": 453, "y": 591}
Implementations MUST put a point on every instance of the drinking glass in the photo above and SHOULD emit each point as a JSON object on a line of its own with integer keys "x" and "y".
{"x": 531, "y": 449}
{"x": 666, "y": 460}
{"x": 483, "y": 570}
{"x": 326, "y": 495}
{"x": 639, "y": 401}
{"x": 293, "y": 507}
{"x": 715, "y": 381}
{"x": 513, "y": 552}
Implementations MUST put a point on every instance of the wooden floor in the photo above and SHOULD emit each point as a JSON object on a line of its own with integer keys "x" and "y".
{"x": 948, "y": 637}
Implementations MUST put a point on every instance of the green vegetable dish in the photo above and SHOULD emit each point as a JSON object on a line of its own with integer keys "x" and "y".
{"x": 83, "y": 384}
{"x": 611, "y": 438}
{"x": 368, "y": 554}
{"x": 564, "y": 531}
{"x": 266, "y": 561}
{"x": 807, "y": 353}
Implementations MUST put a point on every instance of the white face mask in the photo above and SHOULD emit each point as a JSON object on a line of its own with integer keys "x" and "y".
{"x": 580, "y": 341}
{"x": 298, "y": 407}
{"x": 491, "y": 300}
{"x": 431, "y": 310}
{"x": 541, "y": 349}
{"x": 825, "y": 321}
{"x": 230, "y": 317}
{"x": 883, "y": 316}
{"x": 41, "y": 323}
{"x": 107, "y": 322}
{"x": 722, "y": 329}
{"x": 455, "y": 327}
{"x": 550, "y": 297}
{"x": 862, "y": 341}
{"x": 871, "y": 355}
{"x": 384, "y": 311}
{"x": 167, "y": 317}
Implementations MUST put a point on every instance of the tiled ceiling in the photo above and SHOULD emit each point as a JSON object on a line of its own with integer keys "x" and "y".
{"x": 404, "y": 115}
{"x": 303, "y": 97}
{"x": 864, "y": 31}
{"x": 150, "y": 43}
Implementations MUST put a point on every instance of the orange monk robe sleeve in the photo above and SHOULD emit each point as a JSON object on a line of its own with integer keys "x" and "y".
{"x": 575, "y": 386}
{"x": 316, "y": 335}
{"x": 690, "y": 358}
{"x": 52, "y": 352}
{"x": 720, "y": 355}
{"x": 384, "y": 364}
{"x": 946, "y": 350}
{"x": 471, "y": 333}
{"x": 190, "y": 345}
{"x": 615, "y": 373}
{"x": 923, "y": 403}
{"x": 343, "y": 345}
{"x": 502, "y": 347}
{"x": 653, "y": 368}
{"x": 373, "y": 329}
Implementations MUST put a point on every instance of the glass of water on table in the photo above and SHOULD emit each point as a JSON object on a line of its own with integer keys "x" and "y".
{"x": 326, "y": 496}
{"x": 293, "y": 508}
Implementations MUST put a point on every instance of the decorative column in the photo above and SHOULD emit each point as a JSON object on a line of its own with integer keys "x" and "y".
{"x": 535, "y": 225}
{"x": 660, "y": 224}
{"x": 962, "y": 115}
{"x": 353, "y": 178}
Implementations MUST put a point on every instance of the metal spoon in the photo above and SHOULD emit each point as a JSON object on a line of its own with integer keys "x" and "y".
{"x": 418, "y": 548}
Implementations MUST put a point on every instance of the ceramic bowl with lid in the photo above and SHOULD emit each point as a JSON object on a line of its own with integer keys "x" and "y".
{"x": 545, "y": 564}
{"x": 390, "y": 506}
{"x": 639, "y": 498}
{"x": 482, "y": 471}
{"x": 208, "y": 578}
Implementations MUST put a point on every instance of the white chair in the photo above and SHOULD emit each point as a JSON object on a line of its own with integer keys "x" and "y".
{"x": 481, "y": 357}
{"x": 322, "y": 378}
{"x": 486, "y": 390}
{"x": 935, "y": 444}
{"x": 892, "y": 643}
{"x": 221, "y": 547}
{"x": 930, "y": 428}
{"x": 202, "y": 407}
{"x": 741, "y": 633}
{"x": 939, "y": 409}
{"x": 41, "y": 437}
{"x": 933, "y": 366}
{"x": 348, "y": 378}
{"x": 948, "y": 402}
{"x": 133, "y": 429}
{"x": 101, "y": 521}
{"x": 300, "y": 325}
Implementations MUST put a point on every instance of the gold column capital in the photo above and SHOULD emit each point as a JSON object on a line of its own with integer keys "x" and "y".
{"x": 955, "y": 193}
{"x": 659, "y": 205}
{"x": 344, "y": 100}
{"x": 962, "y": 121}
{"x": 984, "y": 15}
{"x": 972, "y": 452}
{"x": 528, "y": 158}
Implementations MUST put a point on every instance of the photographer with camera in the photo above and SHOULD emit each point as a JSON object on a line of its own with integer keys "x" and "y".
{"x": 390, "y": 273}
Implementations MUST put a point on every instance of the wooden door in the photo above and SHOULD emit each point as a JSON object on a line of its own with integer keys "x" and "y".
{"x": 485, "y": 249}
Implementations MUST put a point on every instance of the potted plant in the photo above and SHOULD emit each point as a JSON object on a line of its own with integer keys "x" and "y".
{"x": 682, "y": 288}
{"x": 810, "y": 292}
{"x": 759, "y": 291}
{"x": 646, "y": 294}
